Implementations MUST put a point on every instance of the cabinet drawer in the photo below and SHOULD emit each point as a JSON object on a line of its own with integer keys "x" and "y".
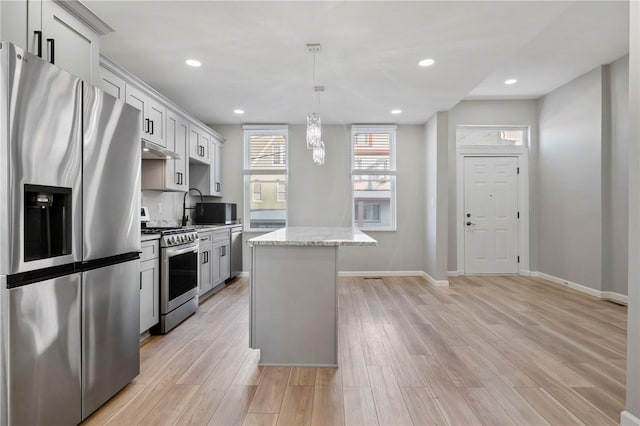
{"x": 150, "y": 250}
{"x": 205, "y": 237}
{"x": 222, "y": 235}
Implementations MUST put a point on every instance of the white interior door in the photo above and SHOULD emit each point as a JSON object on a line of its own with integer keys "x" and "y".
{"x": 491, "y": 215}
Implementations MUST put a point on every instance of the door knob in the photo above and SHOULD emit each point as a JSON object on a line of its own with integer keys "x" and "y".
{"x": 470, "y": 223}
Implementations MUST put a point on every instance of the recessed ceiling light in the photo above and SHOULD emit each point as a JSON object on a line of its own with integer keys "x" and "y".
{"x": 396, "y": 111}
{"x": 426, "y": 62}
{"x": 145, "y": 149}
{"x": 193, "y": 62}
{"x": 510, "y": 81}
{"x": 168, "y": 157}
{"x": 238, "y": 111}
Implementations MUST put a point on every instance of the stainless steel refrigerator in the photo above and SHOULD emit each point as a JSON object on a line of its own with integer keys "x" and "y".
{"x": 69, "y": 243}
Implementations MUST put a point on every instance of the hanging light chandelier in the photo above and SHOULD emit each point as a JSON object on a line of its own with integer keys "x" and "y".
{"x": 314, "y": 123}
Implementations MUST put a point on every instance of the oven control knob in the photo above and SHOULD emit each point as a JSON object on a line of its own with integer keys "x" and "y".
{"x": 172, "y": 240}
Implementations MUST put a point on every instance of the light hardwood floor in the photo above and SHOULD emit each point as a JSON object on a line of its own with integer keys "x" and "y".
{"x": 487, "y": 350}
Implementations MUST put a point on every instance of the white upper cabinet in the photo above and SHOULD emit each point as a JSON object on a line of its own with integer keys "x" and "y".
{"x": 169, "y": 174}
{"x": 65, "y": 33}
{"x": 199, "y": 145}
{"x": 112, "y": 84}
{"x": 177, "y": 133}
{"x": 216, "y": 165}
{"x": 153, "y": 114}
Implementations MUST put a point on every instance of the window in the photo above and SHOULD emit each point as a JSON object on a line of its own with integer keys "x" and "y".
{"x": 256, "y": 192}
{"x": 282, "y": 192}
{"x": 373, "y": 177}
{"x": 265, "y": 177}
{"x": 492, "y": 135}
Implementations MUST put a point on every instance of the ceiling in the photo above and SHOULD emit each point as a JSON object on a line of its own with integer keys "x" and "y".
{"x": 254, "y": 54}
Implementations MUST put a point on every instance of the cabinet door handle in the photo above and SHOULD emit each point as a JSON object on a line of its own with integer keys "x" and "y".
{"x": 38, "y": 35}
{"x": 224, "y": 251}
{"x": 204, "y": 257}
{"x": 217, "y": 186}
{"x": 146, "y": 125}
{"x": 207, "y": 257}
{"x": 140, "y": 280}
{"x": 52, "y": 50}
{"x": 151, "y": 126}
{"x": 178, "y": 178}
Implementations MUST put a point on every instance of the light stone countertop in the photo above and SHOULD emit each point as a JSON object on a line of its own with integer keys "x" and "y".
{"x": 314, "y": 236}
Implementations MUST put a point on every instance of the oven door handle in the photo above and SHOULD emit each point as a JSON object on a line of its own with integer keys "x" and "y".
{"x": 191, "y": 248}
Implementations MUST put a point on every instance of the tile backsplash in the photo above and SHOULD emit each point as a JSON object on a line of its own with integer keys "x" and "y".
{"x": 165, "y": 208}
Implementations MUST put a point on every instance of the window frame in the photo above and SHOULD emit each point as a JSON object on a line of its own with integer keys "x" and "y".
{"x": 263, "y": 130}
{"x": 392, "y": 173}
{"x": 525, "y": 128}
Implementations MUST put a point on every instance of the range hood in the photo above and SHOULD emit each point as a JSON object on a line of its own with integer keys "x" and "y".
{"x": 153, "y": 151}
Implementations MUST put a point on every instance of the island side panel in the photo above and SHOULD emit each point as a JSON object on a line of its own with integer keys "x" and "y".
{"x": 294, "y": 305}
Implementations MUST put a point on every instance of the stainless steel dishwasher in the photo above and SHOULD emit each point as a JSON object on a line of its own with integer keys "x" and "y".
{"x": 236, "y": 252}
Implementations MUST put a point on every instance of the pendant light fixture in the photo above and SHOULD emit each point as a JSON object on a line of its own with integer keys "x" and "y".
{"x": 314, "y": 123}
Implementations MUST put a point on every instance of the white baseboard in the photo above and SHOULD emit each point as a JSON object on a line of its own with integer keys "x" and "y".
{"x": 605, "y": 295}
{"x": 380, "y": 274}
{"x": 455, "y": 273}
{"x": 628, "y": 419}
{"x": 243, "y": 274}
{"x": 434, "y": 282}
{"x": 524, "y": 273}
{"x": 615, "y": 297}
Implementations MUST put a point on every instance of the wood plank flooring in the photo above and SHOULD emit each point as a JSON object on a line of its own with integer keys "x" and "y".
{"x": 486, "y": 350}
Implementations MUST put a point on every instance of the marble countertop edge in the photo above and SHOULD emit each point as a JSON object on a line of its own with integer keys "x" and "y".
{"x": 313, "y": 236}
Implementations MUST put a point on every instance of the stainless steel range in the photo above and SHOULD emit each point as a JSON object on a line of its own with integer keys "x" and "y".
{"x": 179, "y": 254}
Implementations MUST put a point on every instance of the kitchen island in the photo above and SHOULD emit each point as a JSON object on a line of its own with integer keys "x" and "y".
{"x": 294, "y": 289}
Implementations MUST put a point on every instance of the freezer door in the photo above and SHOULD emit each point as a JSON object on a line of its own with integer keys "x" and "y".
{"x": 110, "y": 332}
{"x": 111, "y": 176}
{"x": 44, "y": 352}
{"x": 41, "y": 159}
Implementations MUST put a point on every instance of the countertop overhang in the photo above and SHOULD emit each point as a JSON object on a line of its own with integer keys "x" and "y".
{"x": 314, "y": 236}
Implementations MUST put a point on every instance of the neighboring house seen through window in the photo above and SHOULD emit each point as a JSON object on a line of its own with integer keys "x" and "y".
{"x": 265, "y": 177}
{"x": 373, "y": 177}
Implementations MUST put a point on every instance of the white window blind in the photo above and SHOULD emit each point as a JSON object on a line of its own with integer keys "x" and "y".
{"x": 267, "y": 152}
{"x": 265, "y": 177}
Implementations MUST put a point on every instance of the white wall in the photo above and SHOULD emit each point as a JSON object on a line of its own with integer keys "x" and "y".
{"x": 436, "y": 196}
{"x": 633, "y": 315}
{"x": 569, "y": 220}
{"x": 320, "y": 195}
{"x": 615, "y": 180}
{"x": 501, "y": 112}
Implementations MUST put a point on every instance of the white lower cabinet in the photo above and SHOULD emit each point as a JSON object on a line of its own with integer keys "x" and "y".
{"x": 215, "y": 267}
{"x": 149, "y": 285}
{"x": 206, "y": 283}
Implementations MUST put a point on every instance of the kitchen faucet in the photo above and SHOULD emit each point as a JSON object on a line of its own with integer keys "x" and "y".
{"x": 185, "y": 218}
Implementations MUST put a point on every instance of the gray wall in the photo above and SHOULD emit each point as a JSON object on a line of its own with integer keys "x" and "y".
{"x": 506, "y": 112}
{"x": 633, "y": 318}
{"x": 569, "y": 220}
{"x": 320, "y": 195}
{"x": 615, "y": 179}
{"x": 436, "y": 196}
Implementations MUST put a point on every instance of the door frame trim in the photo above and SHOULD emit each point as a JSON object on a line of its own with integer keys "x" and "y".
{"x": 522, "y": 153}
